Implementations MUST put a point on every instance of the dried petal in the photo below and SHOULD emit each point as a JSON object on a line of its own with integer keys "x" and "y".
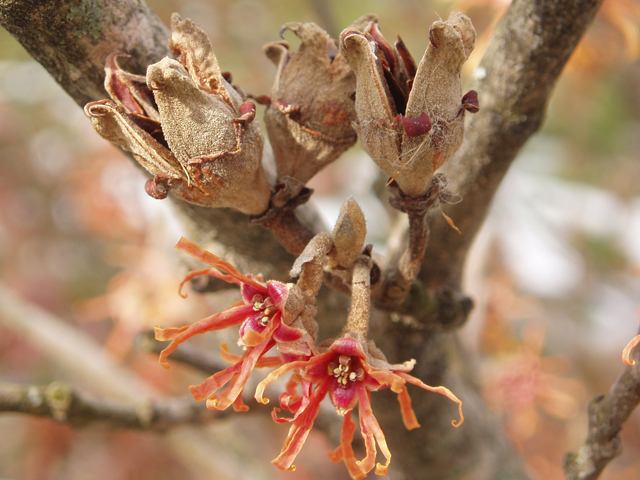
{"x": 191, "y": 47}
{"x": 309, "y": 119}
{"x": 194, "y": 133}
{"x": 128, "y": 90}
{"x": 430, "y": 127}
{"x": 221, "y": 154}
{"x": 114, "y": 124}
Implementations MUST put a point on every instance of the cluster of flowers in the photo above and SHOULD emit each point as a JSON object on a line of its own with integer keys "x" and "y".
{"x": 347, "y": 369}
{"x": 195, "y": 133}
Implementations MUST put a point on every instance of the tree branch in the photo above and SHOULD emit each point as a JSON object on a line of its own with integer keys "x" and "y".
{"x": 514, "y": 81}
{"x": 87, "y": 365}
{"x": 72, "y": 42}
{"x": 607, "y": 414}
{"x": 530, "y": 47}
{"x": 62, "y": 403}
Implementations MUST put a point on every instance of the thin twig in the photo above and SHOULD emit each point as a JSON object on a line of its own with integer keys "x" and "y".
{"x": 81, "y": 358}
{"x": 85, "y": 363}
{"x": 607, "y": 414}
{"x": 398, "y": 280}
{"x": 63, "y": 403}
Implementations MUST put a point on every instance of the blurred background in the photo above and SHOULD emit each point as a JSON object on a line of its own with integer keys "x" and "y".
{"x": 555, "y": 272}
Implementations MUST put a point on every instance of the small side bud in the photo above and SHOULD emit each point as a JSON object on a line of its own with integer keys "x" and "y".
{"x": 348, "y": 236}
{"x": 415, "y": 127}
{"x": 157, "y": 187}
{"x": 470, "y": 101}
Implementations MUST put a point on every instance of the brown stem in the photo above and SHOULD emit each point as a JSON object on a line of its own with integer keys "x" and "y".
{"x": 398, "y": 281}
{"x": 360, "y": 310}
{"x": 284, "y": 221}
{"x": 62, "y": 403}
{"x": 607, "y": 414}
{"x": 411, "y": 261}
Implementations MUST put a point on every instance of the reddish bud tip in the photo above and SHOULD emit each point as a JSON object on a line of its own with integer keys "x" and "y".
{"x": 287, "y": 108}
{"x": 415, "y": 127}
{"x": 470, "y": 101}
{"x": 247, "y": 111}
{"x": 157, "y": 187}
{"x": 431, "y": 38}
{"x": 262, "y": 99}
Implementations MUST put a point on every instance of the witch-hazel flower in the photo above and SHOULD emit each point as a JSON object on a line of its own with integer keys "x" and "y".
{"x": 270, "y": 314}
{"x": 411, "y": 118}
{"x": 347, "y": 370}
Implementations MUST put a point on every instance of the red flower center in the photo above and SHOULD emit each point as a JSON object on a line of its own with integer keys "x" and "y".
{"x": 345, "y": 371}
{"x": 266, "y": 307}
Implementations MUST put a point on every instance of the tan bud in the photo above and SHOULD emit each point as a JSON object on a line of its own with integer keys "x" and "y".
{"x": 195, "y": 134}
{"x": 348, "y": 236}
{"x": 410, "y": 119}
{"x": 309, "y": 120}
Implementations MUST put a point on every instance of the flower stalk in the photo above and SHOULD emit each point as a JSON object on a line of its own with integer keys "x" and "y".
{"x": 398, "y": 281}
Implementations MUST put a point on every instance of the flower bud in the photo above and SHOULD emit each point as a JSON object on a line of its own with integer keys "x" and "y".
{"x": 194, "y": 134}
{"x": 349, "y": 234}
{"x": 311, "y": 110}
{"x": 411, "y": 119}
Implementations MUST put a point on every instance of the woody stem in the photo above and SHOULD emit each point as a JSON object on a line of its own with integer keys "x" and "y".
{"x": 358, "y": 319}
{"x": 291, "y": 230}
{"x": 398, "y": 282}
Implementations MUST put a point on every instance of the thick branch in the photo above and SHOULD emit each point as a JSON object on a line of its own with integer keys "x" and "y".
{"x": 523, "y": 61}
{"x": 72, "y": 41}
{"x": 436, "y": 450}
{"x": 515, "y": 79}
